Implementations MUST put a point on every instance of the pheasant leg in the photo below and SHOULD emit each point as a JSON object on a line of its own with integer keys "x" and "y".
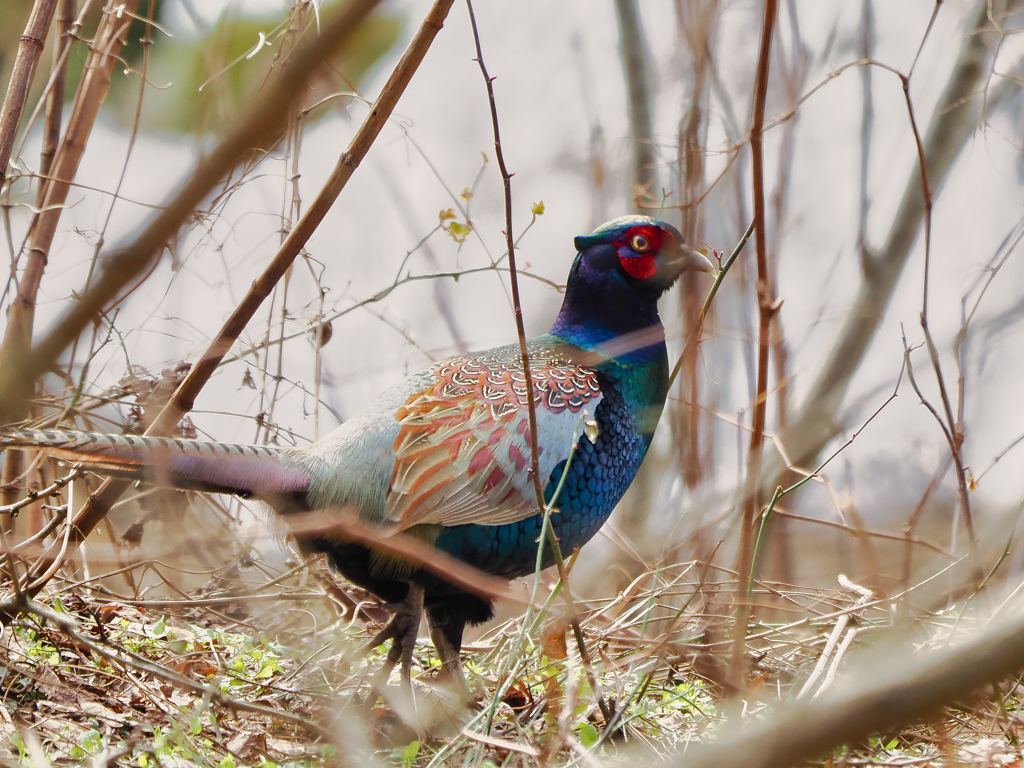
{"x": 401, "y": 631}
{"x": 446, "y": 634}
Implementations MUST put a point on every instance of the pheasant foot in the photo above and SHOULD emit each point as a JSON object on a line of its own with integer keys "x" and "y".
{"x": 401, "y": 631}
{"x": 447, "y": 639}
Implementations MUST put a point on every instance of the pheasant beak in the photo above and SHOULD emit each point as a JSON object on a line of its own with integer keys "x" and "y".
{"x": 683, "y": 258}
{"x": 697, "y": 261}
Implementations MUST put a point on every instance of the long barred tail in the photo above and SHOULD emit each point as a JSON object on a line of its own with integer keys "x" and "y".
{"x": 245, "y": 470}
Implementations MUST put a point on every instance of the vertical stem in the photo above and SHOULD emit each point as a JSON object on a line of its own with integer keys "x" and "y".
{"x": 768, "y": 307}
{"x": 954, "y": 121}
{"x": 531, "y": 404}
{"x": 643, "y": 177}
{"x": 55, "y": 103}
{"x": 696, "y": 30}
{"x": 867, "y": 119}
{"x": 91, "y": 93}
{"x": 30, "y": 48}
{"x": 955, "y": 432}
{"x": 506, "y": 180}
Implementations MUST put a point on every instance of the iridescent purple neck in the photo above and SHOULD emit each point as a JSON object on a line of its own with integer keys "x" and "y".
{"x": 600, "y": 307}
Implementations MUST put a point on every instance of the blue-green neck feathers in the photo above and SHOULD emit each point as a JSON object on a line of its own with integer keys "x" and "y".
{"x": 609, "y": 309}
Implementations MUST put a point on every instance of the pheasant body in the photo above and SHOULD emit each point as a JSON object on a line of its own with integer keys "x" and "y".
{"x": 595, "y": 480}
{"x": 445, "y": 454}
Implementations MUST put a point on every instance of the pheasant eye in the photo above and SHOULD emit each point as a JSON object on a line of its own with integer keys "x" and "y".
{"x": 640, "y": 243}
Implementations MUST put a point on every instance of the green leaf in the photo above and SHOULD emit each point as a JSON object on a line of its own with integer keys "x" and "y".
{"x": 537, "y": 209}
{"x": 458, "y": 232}
{"x": 588, "y": 735}
{"x": 408, "y": 753}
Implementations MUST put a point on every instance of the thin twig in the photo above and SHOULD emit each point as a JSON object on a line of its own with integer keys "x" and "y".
{"x": 531, "y": 404}
{"x": 121, "y": 655}
{"x": 184, "y": 398}
{"x": 768, "y": 308}
{"x": 706, "y": 307}
{"x": 55, "y": 99}
{"x": 780, "y": 492}
{"x": 643, "y": 177}
{"x": 954, "y": 429}
{"x": 34, "y": 496}
{"x": 92, "y": 92}
{"x": 952, "y": 124}
{"x": 262, "y": 125}
{"x": 913, "y": 686}
{"x": 256, "y": 128}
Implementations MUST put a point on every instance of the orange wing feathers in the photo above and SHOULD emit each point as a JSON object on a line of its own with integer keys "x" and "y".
{"x": 462, "y": 452}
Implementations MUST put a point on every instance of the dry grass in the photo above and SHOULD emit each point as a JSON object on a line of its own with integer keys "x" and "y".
{"x": 136, "y": 678}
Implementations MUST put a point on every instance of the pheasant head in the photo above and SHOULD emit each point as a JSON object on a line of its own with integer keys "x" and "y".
{"x": 620, "y": 271}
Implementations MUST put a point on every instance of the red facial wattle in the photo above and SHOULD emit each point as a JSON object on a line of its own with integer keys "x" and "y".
{"x": 640, "y": 267}
{"x": 637, "y": 250}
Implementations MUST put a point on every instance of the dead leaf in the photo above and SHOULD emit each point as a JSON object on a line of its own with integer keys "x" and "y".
{"x": 196, "y": 668}
{"x": 97, "y": 710}
{"x": 553, "y": 640}
{"x": 247, "y": 744}
{"x": 55, "y": 689}
{"x": 518, "y": 697}
{"x": 990, "y": 752}
{"x": 108, "y": 612}
{"x": 289, "y": 748}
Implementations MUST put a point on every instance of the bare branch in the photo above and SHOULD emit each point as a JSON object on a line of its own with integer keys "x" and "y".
{"x": 768, "y": 307}
{"x": 30, "y": 48}
{"x": 953, "y": 123}
{"x": 263, "y": 125}
{"x": 100, "y": 502}
{"x": 892, "y": 687}
{"x": 643, "y": 177}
